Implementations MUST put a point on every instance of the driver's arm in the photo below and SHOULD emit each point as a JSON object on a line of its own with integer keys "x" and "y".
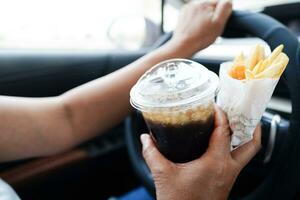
{"x": 43, "y": 126}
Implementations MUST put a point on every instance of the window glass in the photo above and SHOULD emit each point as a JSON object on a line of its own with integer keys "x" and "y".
{"x": 80, "y": 24}
{"x": 172, "y": 8}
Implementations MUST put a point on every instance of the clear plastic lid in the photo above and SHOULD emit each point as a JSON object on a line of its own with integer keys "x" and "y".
{"x": 172, "y": 83}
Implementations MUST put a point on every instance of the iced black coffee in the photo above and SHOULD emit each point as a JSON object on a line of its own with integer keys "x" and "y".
{"x": 176, "y": 98}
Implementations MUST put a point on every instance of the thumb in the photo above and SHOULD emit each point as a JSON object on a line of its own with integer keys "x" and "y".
{"x": 219, "y": 143}
{"x": 154, "y": 159}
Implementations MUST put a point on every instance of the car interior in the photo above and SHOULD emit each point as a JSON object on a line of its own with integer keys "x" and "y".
{"x": 111, "y": 164}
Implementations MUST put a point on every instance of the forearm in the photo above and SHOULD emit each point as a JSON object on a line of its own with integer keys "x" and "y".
{"x": 32, "y": 127}
{"x": 43, "y": 126}
{"x": 103, "y": 103}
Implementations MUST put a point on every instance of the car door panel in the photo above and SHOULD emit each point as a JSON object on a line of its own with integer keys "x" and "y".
{"x": 39, "y": 74}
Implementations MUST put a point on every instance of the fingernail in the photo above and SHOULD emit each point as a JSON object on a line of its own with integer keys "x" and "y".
{"x": 144, "y": 140}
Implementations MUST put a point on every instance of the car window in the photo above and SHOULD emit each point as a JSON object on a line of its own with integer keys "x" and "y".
{"x": 81, "y": 24}
{"x": 258, "y": 4}
{"x": 172, "y": 8}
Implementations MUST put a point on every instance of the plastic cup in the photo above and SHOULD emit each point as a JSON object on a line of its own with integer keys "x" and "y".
{"x": 176, "y": 98}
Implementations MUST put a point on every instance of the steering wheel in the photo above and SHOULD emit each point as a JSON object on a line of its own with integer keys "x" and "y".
{"x": 282, "y": 179}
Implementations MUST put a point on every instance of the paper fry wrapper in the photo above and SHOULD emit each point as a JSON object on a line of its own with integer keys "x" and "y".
{"x": 244, "y": 102}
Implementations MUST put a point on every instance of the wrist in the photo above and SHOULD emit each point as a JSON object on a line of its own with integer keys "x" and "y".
{"x": 180, "y": 49}
{"x": 187, "y": 45}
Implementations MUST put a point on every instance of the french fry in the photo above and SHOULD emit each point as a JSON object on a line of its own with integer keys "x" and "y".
{"x": 270, "y": 72}
{"x": 280, "y": 72}
{"x": 252, "y": 60}
{"x": 284, "y": 62}
{"x": 239, "y": 60}
{"x": 257, "y": 67}
{"x": 263, "y": 66}
{"x": 249, "y": 74}
{"x": 279, "y": 58}
{"x": 237, "y": 72}
{"x": 240, "y": 71}
{"x": 232, "y": 73}
{"x": 277, "y": 67}
{"x": 275, "y": 53}
{"x": 261, "y": 53}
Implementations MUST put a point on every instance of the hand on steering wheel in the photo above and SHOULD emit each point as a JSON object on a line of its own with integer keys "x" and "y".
{"x": 199, "y": 24}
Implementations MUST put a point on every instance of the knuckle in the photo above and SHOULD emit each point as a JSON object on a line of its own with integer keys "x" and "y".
{"x": 161, "y": 170}
{"x": 227, "y": 5}
{"x": 219, "y": 22}
{"x": 205, "y": 3}
{"x": 224, "y": 129}
{"x": 199, "y": 4}
{"x": 156, "y": 166}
